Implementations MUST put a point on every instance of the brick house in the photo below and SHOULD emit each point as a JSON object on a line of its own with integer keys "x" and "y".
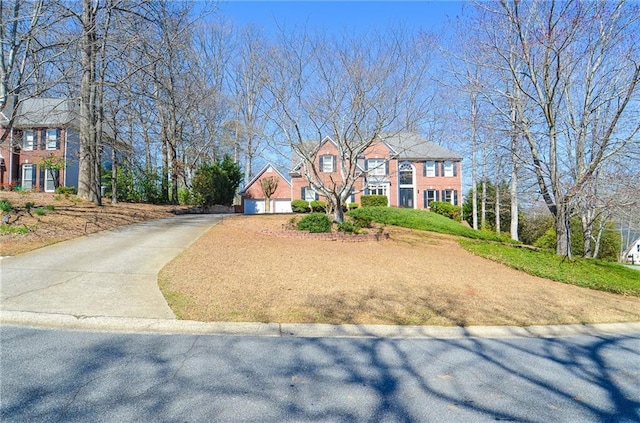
{"x": 406, "y": 168}
{"x": 253, "y": 200}
{"x": 43, "y": 128}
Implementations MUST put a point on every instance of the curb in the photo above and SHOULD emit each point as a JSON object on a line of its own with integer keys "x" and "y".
{"x": 302, "y": 330}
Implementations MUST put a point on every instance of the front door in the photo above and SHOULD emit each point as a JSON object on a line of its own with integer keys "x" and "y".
{"x": 406, "y": 197}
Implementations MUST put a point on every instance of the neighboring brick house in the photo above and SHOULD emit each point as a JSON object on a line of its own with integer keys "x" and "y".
{"x": 42, "y": 128}
{"x": 253, "y": 199}
{"x": 406, "y": 168}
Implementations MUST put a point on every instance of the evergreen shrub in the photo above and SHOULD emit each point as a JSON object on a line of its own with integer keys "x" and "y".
{"x": 315, "y": 223}
{"x": 374, "y": 201}
{"x": 300, "y": 206}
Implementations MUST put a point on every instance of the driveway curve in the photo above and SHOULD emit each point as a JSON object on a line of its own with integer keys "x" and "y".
{"x": 111, "y": 273}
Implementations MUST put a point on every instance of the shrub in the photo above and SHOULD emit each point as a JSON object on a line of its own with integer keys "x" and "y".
{"x": 5, "y": 205}
{"x": 28, "y": 206}
{"x": 315, "y": 223}
{"x": 446, "y": 209}
{"x": 374, "y": 200}
{"x": 217, "y": 183}
{"x": 50, "y": 207}
{"x": 348, "y": 227}
{"x": 300, "y": 206}
{"x": 39, "y": 211}
{"x": 66, "y": 190}
{"x": 353, "y": 206}
{"x": 318, "y": 206}
{"x": 185, "y": 196}
{"x": 362, "y": 221}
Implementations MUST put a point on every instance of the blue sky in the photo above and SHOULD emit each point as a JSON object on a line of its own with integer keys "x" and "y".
{"x": 337, "y": 16}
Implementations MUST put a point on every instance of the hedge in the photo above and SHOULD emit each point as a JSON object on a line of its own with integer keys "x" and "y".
{"x": 374, "y": 201}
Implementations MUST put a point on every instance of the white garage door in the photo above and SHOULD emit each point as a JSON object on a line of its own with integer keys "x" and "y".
{"x": 282, "y": 206}
{"x": 253, "y": 206}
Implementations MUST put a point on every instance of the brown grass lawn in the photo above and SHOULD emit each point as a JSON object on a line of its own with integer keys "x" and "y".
{"x": 237, "y": 272}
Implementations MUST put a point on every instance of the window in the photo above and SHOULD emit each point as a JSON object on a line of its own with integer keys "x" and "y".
{"x": 377, "y": 189}
{"x": 406, "y": 174}
{"x": 50, "y": 180}
{"x": 327, "y": 163}
{"x": 308, "y": 194}
{"x": 29, "y": 140}
{"x": 28, "y": 177}
{"x": 430, "y": 169}
{"x": 449, "y": 169}
{"x": 52, "y": 139}
{"x": 450, "y": 196}
{"x": 377, "y": 167}
{"x": 429, "y": 196}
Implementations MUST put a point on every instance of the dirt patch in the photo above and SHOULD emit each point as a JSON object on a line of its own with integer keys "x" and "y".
{"x": 52, "y": 218}
{"x": 241, "y": 271}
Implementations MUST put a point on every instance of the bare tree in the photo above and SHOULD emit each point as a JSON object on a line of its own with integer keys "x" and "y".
{"x": 354, "y": 89}
{"x": 25, "y": 49}
{"x": 269, "y": 186}
{"x": 247, "y": 80}
{"x": 577, "y": 66}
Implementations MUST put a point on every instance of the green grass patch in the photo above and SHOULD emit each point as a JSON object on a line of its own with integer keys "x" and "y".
{"x": 6, "y": 229}
{"x": 422, "y": 220}
{"x": 588, "y": 273}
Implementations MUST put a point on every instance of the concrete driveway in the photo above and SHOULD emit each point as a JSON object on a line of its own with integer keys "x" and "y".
{"x": 111, "y": 273}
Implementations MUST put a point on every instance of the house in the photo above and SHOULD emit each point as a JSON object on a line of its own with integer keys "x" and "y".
{"x": 633, "y": 254}
{"x": 43, "y": 129}
{"x": 411, "y": 171}
{"x": 254, "y": 200}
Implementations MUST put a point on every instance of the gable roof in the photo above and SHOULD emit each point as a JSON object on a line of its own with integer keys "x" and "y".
{"x": 45, "y": 112}
{"x": 310, "y": 147}
{"x": 259, "y": 174}
{"x": 409, "y": 146}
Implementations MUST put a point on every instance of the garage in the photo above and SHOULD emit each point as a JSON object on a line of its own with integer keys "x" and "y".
{"x": 257, "y": 206}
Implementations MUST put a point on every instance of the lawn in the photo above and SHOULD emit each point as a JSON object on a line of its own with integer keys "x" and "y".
{"x": 249, "y": 269}
{"x": 588, "y": 273}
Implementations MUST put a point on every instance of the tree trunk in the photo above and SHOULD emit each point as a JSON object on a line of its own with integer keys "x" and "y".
{"x": 587, "y": 233}
{"x": 483, "y": 214}
{"x": 497, "y": 211}
{"x": 338, "y": 213}
{"x": 86, "y": 173}
{"x": 563, "y": 232}
{"x": 114, "y": 176}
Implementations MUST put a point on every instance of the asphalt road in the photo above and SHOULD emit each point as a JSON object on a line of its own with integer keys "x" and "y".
{"x": 76, "y": 376}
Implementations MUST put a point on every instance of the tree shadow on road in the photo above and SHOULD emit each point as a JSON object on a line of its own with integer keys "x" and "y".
{"x": 180, "y": 378}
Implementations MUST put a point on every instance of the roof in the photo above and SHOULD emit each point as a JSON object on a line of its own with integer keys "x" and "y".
{"x": 259, "y": 174}
{"x": 412, "y": 146}
{"x": 46, "y": 112}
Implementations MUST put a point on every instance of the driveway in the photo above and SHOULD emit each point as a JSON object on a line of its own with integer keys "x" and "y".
{"x": 111, "y": 273}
